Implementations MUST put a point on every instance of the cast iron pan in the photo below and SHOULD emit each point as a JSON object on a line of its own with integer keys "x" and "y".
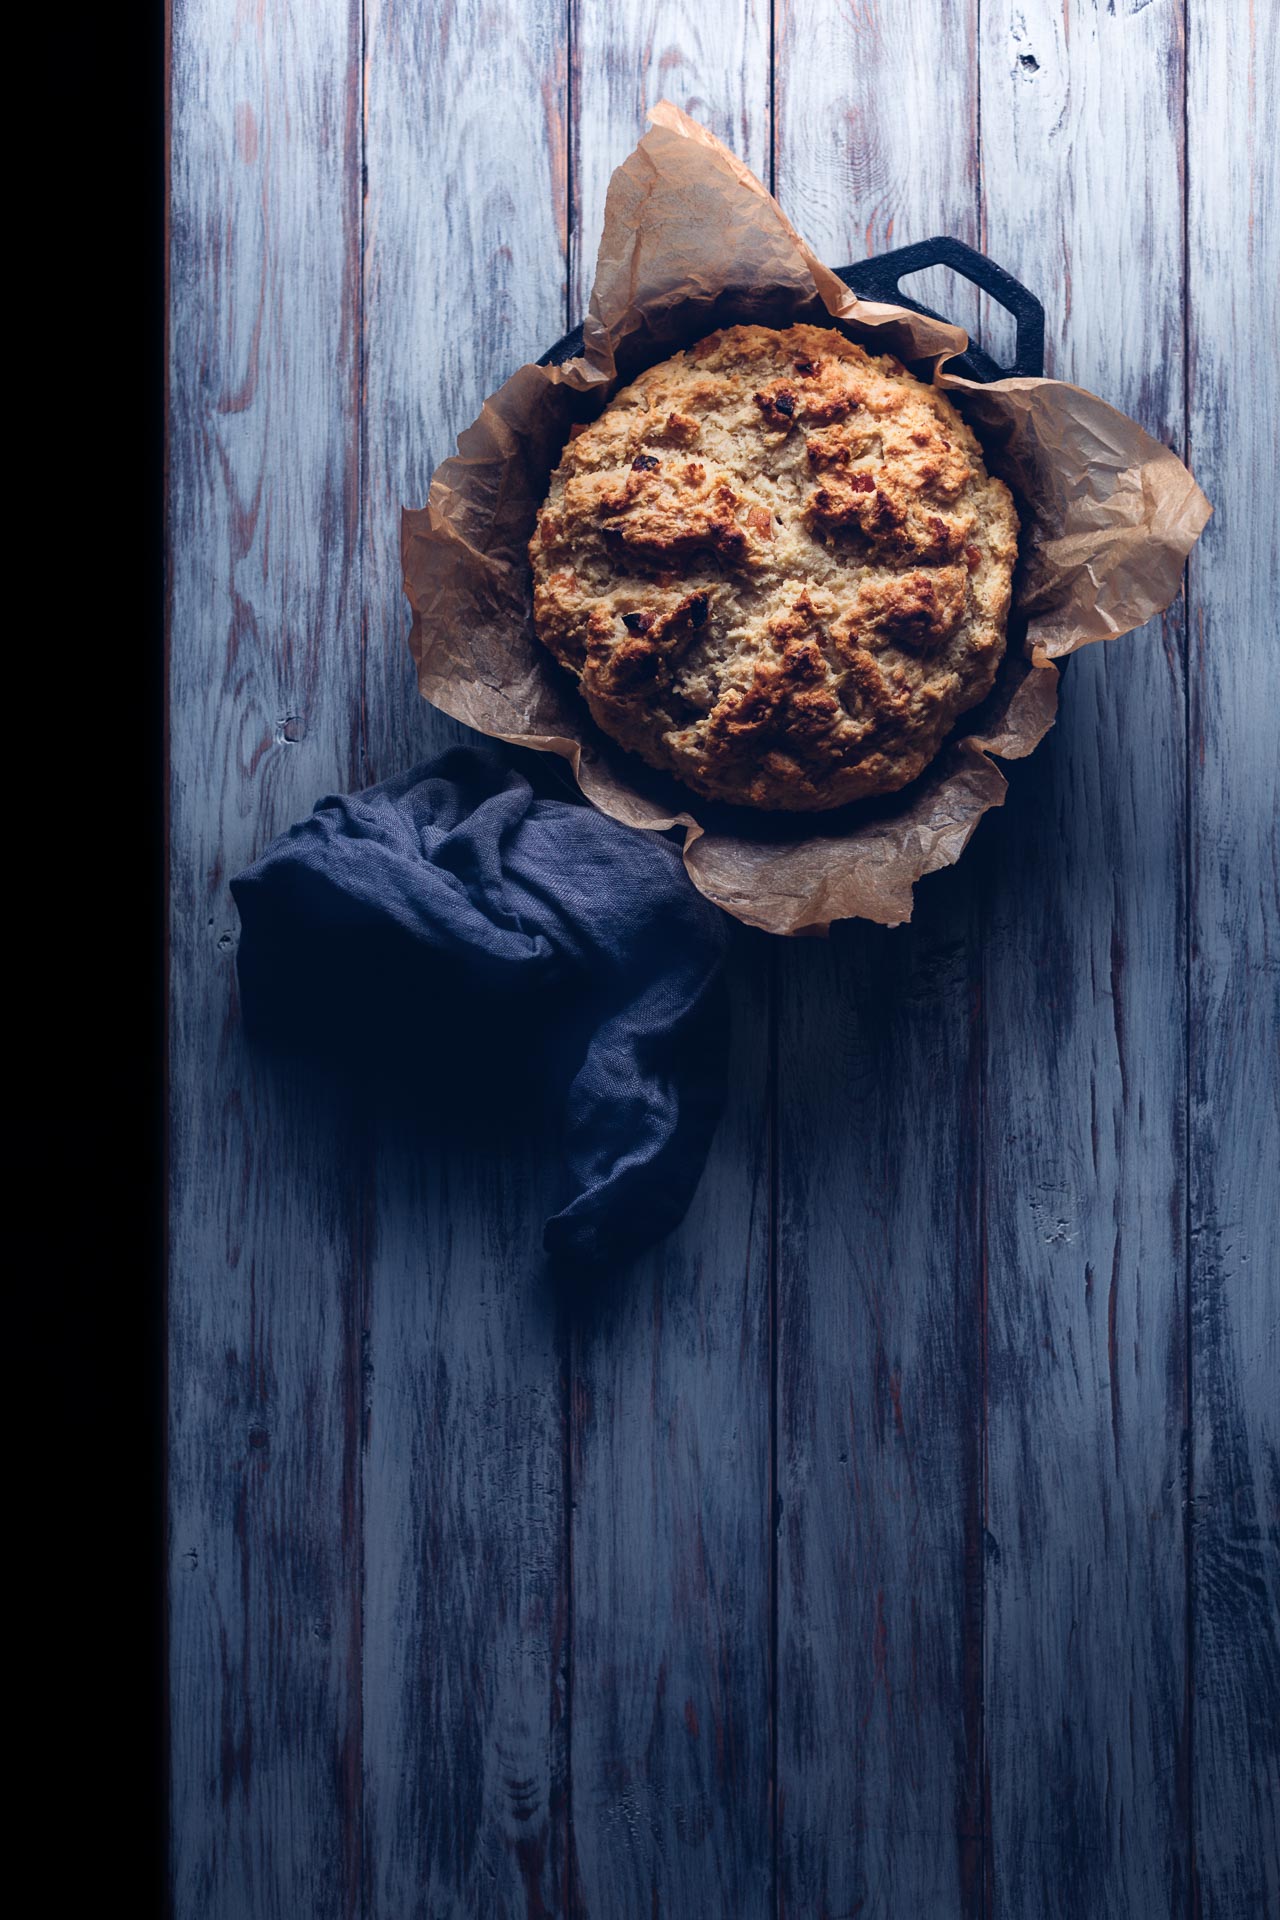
{"x": 877, "y": 279}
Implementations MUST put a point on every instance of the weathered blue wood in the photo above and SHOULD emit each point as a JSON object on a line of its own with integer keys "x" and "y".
{"x": 1085, "y": 1065}
{"x": 487, "y": 1600}
{"x": 879, "y": 1322}
{"x": 670, "y": 1476}
{"x": 466, "y": 1577}
{"x": 1233, "y": 253}
{"x": 670, "y": 1486}
{"x": 879, "y": 1420}
{"x": 263, "y": 622}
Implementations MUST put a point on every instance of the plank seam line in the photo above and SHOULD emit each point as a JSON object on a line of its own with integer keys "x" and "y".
{"x": 980, "y": 1785}
{"x": 773, "y": 1147}
{"x": 361, "y": 1278}
{"x": 773, "y": 98}
{"x": 165, "y": 1650}
{"x": 773, "y": 1150}
{"x": 569, "y": 1894}
{"x": 1188, "y": 1471}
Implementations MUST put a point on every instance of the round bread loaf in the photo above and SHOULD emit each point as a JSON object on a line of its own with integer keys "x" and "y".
{"x": 777, "y": 567}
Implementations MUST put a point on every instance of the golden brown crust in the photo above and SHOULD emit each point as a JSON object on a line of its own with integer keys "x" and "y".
{"x": 778, "y": 568}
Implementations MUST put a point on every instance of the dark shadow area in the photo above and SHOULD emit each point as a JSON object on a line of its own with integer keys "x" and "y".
{"x": 97, "y": 1118}
{"x": 416, "y": 1043}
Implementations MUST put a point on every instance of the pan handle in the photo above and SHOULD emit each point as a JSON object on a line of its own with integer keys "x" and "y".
{"x": 877, "y": 279}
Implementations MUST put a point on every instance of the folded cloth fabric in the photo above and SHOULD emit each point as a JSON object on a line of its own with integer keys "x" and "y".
{"x": 474, "y": 893}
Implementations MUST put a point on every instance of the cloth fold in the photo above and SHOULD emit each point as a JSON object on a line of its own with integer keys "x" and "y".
{"x": 455, "y": 894}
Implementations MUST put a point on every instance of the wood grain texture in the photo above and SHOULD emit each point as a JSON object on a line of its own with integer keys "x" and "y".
{"x": 903, "y": 1535}
{"x": 670, "y": 1388}
{"x": 712, "y": 60}
{"x": 1084, "y": 1135}
{"x": 264, "y": 1513}
{"x": 465, "y": 1698}
{"x": 465, "y": 252}
{"x": 1234, "y": 267}
{"x": 876, "y": 131}
{"x": 879, "y": 1306}
{"x": 670, "y": 1558}
{"x": 465, "y": 1695}
{"x": 1085, "y": 1143}
{"x": 879, "y": 1421}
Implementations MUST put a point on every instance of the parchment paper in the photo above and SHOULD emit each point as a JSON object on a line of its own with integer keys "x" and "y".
{"x": 692, "y": 241}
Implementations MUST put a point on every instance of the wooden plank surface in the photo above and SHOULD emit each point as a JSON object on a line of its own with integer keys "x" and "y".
{"x": 670, "y": 1471}
{"x": 263, "y": 619}
{"x": 1084, "y": 1134}
{"x": 854, "y": 174}
{"x": 1233, "y": 253}
{"x": 901, "y": 1536}
{"x": 879, "y": 1278}
{"x": 670, "y": 1525}
{"x": 713, "y": 60}
{"x": 466, "y": 1578}
{"x": 879, "y": 1422}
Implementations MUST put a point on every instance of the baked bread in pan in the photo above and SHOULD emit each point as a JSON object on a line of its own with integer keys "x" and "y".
{"x": 778, "y": 568}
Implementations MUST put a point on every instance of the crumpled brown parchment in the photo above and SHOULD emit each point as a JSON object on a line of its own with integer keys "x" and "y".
{"x": 693, "y": 241}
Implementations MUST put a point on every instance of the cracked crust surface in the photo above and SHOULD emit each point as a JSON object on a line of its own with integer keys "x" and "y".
{"x": 777, "y": 567}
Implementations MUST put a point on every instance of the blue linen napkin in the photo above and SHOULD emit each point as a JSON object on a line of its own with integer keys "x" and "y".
{"x": 452, "y": 897}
